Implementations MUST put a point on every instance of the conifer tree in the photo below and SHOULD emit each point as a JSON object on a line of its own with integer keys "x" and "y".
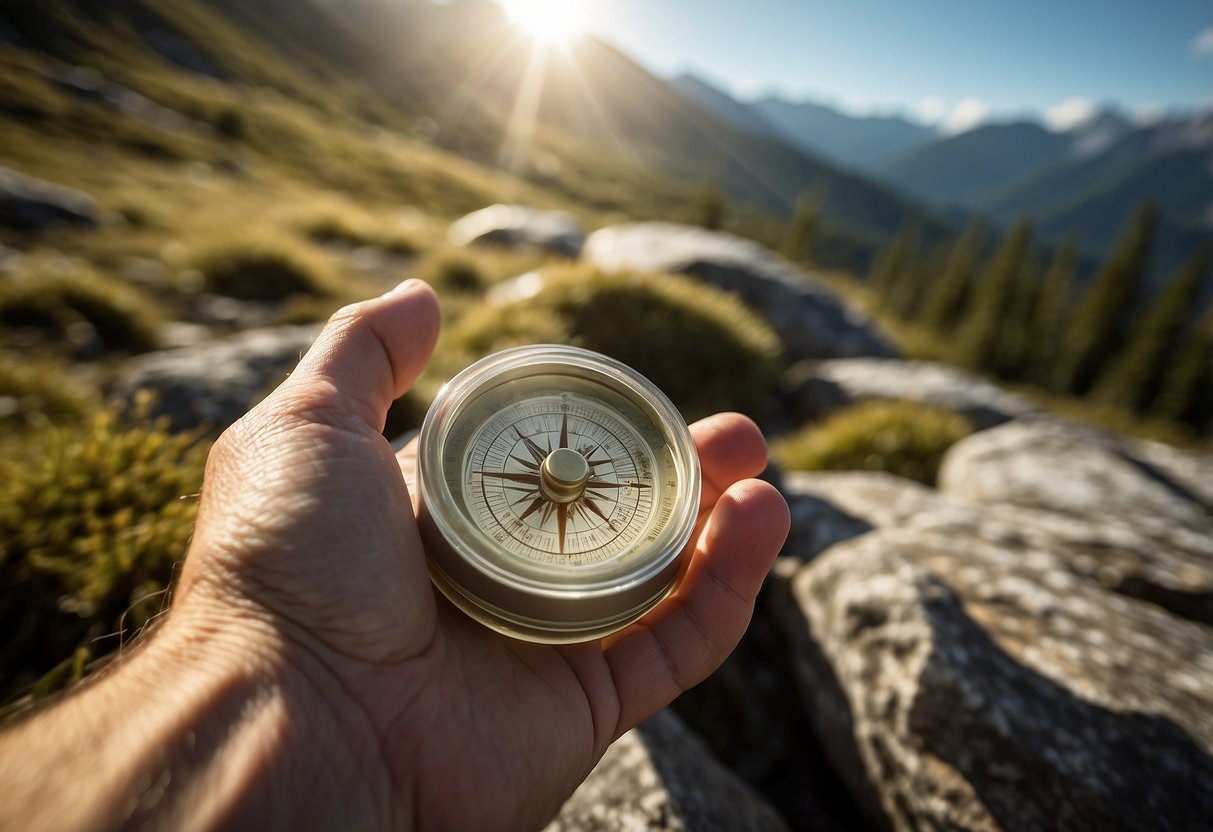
{"x": 893, "y": 267}
{"x": 993, "y": 304}
{"x": 1052, "y": 312}
{"x": 1098, "y": 328}
{"x": 709, "y": 207}
{"x": 1013, "y": 350}
{"x": 945, "y": 306}
{"x": 1186, "y": 393}
{"x": 801, "y": 233}
{"x": 1132, "y": 380}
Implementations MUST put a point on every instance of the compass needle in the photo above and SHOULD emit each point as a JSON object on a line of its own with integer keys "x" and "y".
{"x": 560, "y": 488}
{"x": 562, "y": 516}
{"x": 539, "y": 501}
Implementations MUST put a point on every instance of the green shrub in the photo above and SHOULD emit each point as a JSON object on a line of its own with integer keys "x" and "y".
{"x": 453, "y": 270}
{"x": 90, "y": 529}
{"x": 698, "y": 344}
{"x": 75, "y": 308}
{"x": 264, "y": 268}
{"x": 902, "y": 438}
{"x": 35, "y": 391}
{"x": 229, "y": 123}
{"x": 335, "y": 229}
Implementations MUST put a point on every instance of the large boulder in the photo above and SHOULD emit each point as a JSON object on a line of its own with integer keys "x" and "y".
{"x": 960, "y": 683}
{"x": 811, "y": 321}
{"x": 214, "y": 384}
{"x": 30, "y": 204}
{"x": 816, "y": 388}
{"x": 660, "y": 776}
{"x": 1135, "y": 515}
{"x": 517, "y": 226}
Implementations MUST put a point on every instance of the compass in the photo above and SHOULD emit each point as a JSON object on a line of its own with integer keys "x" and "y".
{"x": 559, "y": 489}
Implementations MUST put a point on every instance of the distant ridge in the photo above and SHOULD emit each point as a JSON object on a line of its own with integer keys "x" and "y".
{"x": 865, "y": 143}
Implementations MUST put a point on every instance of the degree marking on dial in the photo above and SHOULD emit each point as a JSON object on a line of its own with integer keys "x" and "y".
{"x": 603, "y": 511}
{"x": 529, "y": 479}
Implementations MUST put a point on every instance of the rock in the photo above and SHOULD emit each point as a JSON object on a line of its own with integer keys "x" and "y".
{"x": 811, "y": 321}
{"x": 31, "y": 204}
{"x": 1136, "y": 516}
{"x": 959, "y": 683}
{"x": 1117, "y": 553}
{"x": 815, "y": 388}
{"x": 751, "y": 696}
{"x": 215, "y": 383}
{"x": 660, "y": 776}
{"x": 516, "y": 226}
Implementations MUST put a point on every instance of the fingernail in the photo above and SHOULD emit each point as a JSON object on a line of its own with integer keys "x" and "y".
{"x": 404, "y": 287}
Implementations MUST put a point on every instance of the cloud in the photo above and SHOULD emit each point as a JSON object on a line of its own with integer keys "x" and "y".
{"x": 930, "y": 110}
{"x": 1069, "y": 114}
{"x": 967, "y": 114}
{"x": 1203, "y": 45}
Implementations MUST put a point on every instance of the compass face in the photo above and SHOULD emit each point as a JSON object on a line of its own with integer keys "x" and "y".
{"x": 560, "y": 489}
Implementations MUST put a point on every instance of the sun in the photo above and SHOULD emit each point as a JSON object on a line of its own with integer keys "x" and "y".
{"x": 550, "y": 21}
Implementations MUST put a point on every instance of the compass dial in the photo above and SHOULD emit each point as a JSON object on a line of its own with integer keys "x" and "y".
{"x": 560, "y": 488}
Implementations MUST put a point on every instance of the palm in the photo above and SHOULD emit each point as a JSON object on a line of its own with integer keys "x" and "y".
{"x": 474, "y": 729}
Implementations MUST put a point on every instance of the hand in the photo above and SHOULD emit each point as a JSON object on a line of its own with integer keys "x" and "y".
{"x": 394, "y": 704}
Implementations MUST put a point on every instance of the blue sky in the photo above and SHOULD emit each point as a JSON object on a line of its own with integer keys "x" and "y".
{"x": 949, "y": 62}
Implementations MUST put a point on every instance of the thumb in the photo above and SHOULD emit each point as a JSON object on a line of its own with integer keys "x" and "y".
{"x": 368, "y": 355}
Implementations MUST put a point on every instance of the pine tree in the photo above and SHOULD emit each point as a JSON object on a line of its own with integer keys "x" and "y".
{"x": 894, "y": 267}
{"x": 1099, "y": 326}
{"x": 708, "y": 209}
{"x": 1132, "y": 380}
{"x": 993, "y": 304}
{"x": 1186, "y": 393}
{"x": 1052, "y": 311}
{"x": 1014, "y": 348}
{"x": 801, "y": 233}
{"x": 946, "y": 305}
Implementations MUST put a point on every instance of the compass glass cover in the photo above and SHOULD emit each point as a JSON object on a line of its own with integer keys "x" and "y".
{"x": 560, "y": 488}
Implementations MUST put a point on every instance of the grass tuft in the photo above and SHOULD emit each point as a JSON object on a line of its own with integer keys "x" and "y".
{"x": 90, "y": 529}
{"x": 69, "y": 307}
{"x": 264, "y": 268}
{"x": 35, "y": 392}
{"x": 902, "y": 438}
{"x": 698, "y": 344}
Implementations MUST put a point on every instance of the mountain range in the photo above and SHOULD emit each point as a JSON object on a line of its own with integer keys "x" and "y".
{"x": 593, "y": 125}
{"x": 1084, "y": 181}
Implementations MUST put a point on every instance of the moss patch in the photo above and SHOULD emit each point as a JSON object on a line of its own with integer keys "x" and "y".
{"x": 698, "y": 344}
{"x": 67, "y": 307}
{"x": 264, "y": 268}
{"x": 901, "y": 438}
{"x": 91, "y": 526}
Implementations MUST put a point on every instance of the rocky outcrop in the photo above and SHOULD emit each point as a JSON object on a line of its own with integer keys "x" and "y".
{"x": 814, "y": 389}
{"x": 1136, "y": 516}
{"x": 30, "y": 204}
{"x": 963, "y": 660}
{"x": 214, "y": 384}
{"x": 811, "y": 321}
{"x": 660, "y": 776}
{"x": 959, "y": 683}
{"x": 516, "y": 226}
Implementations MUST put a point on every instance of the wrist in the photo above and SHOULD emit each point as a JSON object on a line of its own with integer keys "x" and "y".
{"x": 215, "y": 720}
{"x": 266, "y": 735}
